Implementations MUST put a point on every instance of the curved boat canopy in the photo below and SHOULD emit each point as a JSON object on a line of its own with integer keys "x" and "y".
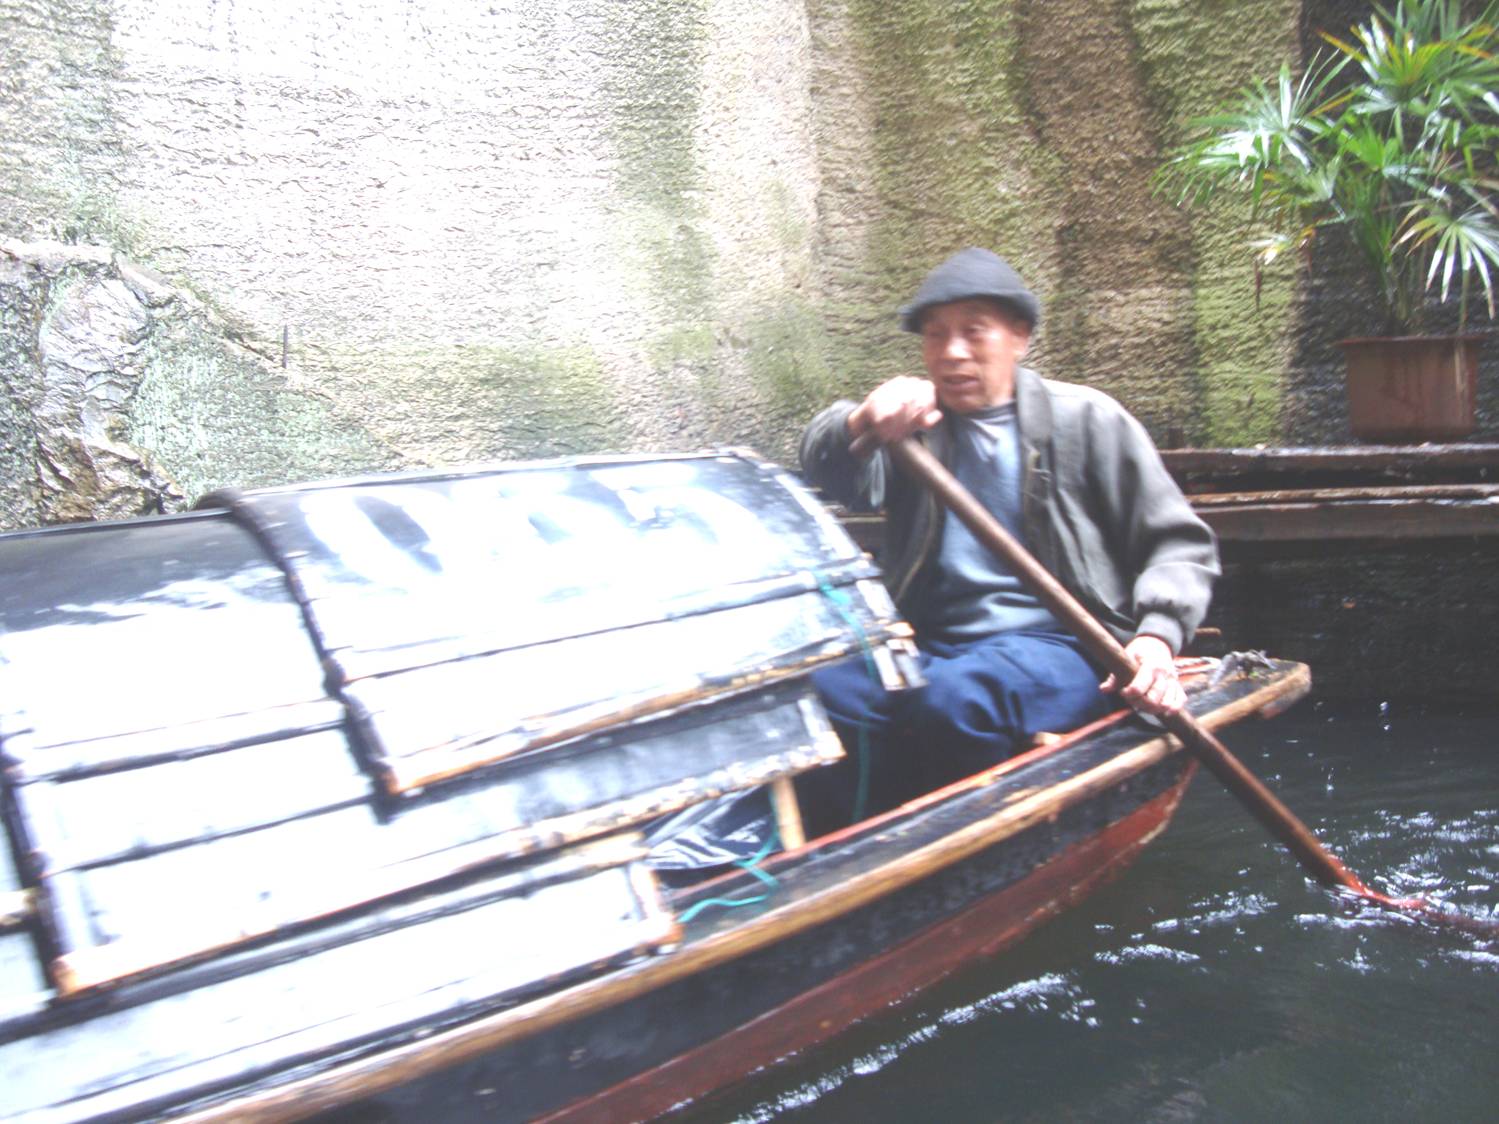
{"x": 316, "y": 713}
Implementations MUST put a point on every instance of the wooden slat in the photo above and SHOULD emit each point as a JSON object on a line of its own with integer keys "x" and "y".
{"x": 118, "y": 915}
{"x": 23, "y": 988}
{"x": 516, "y": 553}
{"x": 1338, "y": 495}
{"x": 1307, "y": 515}
{"x": 1365, "y": 519}
{"x": 125, "y": 1060}
{"x": 433, "y": 723}
{"x": 1362, "y": 458}
{"x": 33, "y": 760}
{"x": 362, "y": 651}
{"x": 513, "y": 879}
{"x": 788, "y": 813}
{"x": 155, "y": 654}
{"x": 17, "y": 908}
{"x": 129, "y": 814}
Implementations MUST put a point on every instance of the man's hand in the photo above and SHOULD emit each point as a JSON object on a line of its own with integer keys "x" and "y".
{"x": 1155, "y": 689}
{"x": 896, "y": 409}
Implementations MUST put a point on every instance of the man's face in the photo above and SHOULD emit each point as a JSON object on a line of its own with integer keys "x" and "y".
{"x": 970, "y": 349}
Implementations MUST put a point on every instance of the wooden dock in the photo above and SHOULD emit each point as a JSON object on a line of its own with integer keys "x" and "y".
{"x": 1366, "y": 494}
{"x": 1376, "y": 565}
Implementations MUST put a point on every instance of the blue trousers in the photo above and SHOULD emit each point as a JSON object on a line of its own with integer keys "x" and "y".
{"x": 983, "y": 702}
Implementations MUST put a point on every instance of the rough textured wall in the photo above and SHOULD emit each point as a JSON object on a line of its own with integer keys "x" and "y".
{"x": 433, "y": 232}
{"x": 1033, "y": 127}
{"x": 111, "y": 374}
{"x": 396, "y": 233}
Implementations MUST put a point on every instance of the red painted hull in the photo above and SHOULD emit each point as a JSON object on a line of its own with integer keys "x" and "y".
{"x": 985, "y": 928}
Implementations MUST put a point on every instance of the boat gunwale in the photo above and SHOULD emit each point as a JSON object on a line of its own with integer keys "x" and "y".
{"x": 1188, "y": 667}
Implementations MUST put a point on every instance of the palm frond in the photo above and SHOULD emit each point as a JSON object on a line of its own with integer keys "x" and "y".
{"x": 1465, "y": 242}
{"x": 1392, "y": 132}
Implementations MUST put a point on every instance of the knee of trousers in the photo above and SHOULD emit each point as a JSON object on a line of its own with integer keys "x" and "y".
{"x": 960, "y": 709}
{"x": 851, "y": 696}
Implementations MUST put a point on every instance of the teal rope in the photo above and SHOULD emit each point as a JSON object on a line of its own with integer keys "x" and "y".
{"x": 752, "y": 866}
{"x": 692, "y": 911}
{"x": 843, "y": 606}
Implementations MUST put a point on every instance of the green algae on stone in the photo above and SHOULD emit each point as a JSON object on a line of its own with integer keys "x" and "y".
{"x": 1243, "y": 368}
{"x": 215, "y": 416}
{"x": 60, "y": 72}
{"x": 1194, "y": 56}
{"x": 685, "y": 358}
{"x": 652, "y": 96}
{"x": 21, "y": 307}
{"x": 544, "y": 402}
{"x": 983, "y": 135}
{"x": 956, "y": 161}
{"x": 785, "y": 355}
{"x": 788, "y": 371}
{"x": 789, "y": 226}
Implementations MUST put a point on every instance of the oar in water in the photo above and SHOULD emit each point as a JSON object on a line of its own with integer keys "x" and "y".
{"x": 1100, "y": 643}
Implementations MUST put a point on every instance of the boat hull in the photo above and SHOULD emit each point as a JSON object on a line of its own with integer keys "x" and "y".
{"x": 990, "y": 925}
{"x": 858, "y": 922}
{"x": 421, "y": 828}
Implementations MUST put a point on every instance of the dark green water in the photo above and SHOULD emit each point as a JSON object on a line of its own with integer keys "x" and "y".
{"x": 1213, "y": 982}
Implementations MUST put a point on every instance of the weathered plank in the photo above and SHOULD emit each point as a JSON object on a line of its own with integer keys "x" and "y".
{"x": 1349, "y": 494}
{"x": 525, "y": 555}
{"x": 431, "y": 723}
{"x": 178, "y": 625}
{"x": 240, "y": 862}
{"x": 491, "y": 950}
{"x": 1364, "y": 461}
{"x": 1286, "y": 518}
{"x": 127, "y": 814}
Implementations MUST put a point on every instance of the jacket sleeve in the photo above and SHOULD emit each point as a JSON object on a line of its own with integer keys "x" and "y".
{"x": 1171, "y": 553}
{"x": 858, "y": 484}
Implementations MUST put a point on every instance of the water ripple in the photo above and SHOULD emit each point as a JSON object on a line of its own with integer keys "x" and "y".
{"x": 1146, "y": 952}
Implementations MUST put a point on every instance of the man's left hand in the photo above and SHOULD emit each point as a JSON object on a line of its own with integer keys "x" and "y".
{"x": 1155, "y": 689}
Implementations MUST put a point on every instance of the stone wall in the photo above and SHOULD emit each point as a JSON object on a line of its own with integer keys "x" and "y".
{"x": 1034, "y": 127}
{"x": 410, "y": 233}
{"x": 246, "y": 244}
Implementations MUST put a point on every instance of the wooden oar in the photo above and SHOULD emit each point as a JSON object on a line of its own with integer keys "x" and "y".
{"x": 1100, "y": 643}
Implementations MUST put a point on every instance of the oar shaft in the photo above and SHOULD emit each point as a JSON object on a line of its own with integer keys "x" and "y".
{"x": 1105, "y": 649}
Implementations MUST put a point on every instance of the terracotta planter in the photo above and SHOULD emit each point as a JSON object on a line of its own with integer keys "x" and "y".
{"x": 1412, "y": 388}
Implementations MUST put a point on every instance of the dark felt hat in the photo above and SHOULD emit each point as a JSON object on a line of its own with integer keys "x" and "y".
{"x": 967, "y": 274}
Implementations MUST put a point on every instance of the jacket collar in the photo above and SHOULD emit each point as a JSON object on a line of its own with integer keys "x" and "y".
{"x": 1032, "y": 407}
{"x": 939, "y": 440}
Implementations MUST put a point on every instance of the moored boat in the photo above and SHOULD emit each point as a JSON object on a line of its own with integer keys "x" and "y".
{"x": 367, "y": 792}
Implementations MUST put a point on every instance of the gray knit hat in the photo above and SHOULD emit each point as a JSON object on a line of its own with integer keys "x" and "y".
{"x": 971, "y": 273}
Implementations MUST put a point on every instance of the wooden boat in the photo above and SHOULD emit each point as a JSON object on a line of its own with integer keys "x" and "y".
{"x": 364, "y": 793}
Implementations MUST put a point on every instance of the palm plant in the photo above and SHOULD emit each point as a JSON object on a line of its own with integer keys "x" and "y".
{"x": 1391, "y": 134}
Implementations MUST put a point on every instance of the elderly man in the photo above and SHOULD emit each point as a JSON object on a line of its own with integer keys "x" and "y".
{"x": 1070, "y": 474}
